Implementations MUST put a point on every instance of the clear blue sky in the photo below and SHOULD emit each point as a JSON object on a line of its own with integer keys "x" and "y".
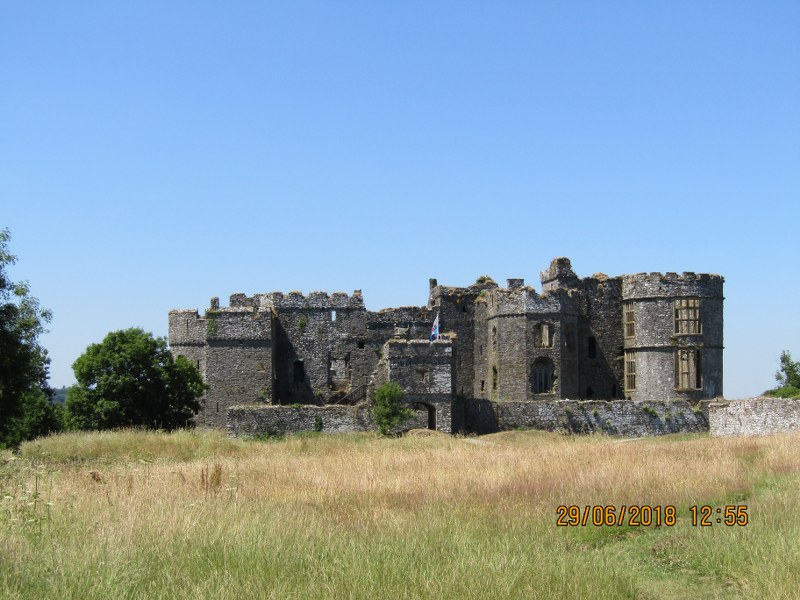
{"x": 155, "y": 154}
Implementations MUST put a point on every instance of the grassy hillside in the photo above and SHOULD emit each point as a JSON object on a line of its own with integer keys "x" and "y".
{"x": 144, "y": 515}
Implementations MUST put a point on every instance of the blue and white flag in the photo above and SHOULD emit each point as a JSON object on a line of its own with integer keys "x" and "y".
{"x": 435, "y": 329}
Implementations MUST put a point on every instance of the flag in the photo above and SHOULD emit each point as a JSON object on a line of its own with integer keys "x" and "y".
{"x": 435, "y": 329}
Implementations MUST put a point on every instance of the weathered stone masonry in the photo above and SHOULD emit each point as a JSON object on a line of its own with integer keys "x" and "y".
{"x": 754, "y": 416}
{"x": 504, "y": 353}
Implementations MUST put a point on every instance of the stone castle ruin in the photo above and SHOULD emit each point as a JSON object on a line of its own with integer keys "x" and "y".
{"x": 629, "y": 354}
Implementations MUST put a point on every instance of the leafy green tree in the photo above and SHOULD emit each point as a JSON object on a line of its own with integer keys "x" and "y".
{"x": 130, "y": 379}
{"x": 389, "y": 410}
{"x": 789, "y": 373}
{"x": 788, "y": 376}
{"x": 23, "y": 361}
{"x": 40, "y": 416}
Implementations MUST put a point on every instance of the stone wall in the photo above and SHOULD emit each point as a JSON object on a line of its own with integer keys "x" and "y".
{"x": 232, "y": 348}
{"x": 600, "y": 372}
{"x": 425, "y": 372}
{"x": 619, "y": 417}
{"x": 630, "y": 419}
{"x": 260, "y": 420}
{"x": 754, "y": 416}
{"x": 320, "y": 345}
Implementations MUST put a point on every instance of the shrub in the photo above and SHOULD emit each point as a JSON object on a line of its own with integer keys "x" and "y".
{"x": 787, "y": 391}
{"x": 302, "y": 323}
{"x": 389, "y": 410}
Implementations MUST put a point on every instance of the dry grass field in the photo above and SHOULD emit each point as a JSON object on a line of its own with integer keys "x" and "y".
{"x": 198, "y": 515}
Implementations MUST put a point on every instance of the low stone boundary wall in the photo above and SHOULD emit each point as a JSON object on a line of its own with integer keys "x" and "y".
{"x": 616, "y": 417}
{"x": 266, "y": 419}
{"x": 753, "y": 416}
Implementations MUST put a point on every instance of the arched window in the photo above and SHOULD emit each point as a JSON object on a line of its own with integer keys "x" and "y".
{"x": 542, "y": 377}
{"x": 494, "y": 339}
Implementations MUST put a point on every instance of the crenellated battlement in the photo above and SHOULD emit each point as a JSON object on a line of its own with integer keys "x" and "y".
{"x": 315, "y": 300}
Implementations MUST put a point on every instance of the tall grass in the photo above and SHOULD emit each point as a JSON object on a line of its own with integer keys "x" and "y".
{"x": 141, "y": 515}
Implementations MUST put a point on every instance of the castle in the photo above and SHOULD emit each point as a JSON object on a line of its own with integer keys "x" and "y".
{"x": 644, "y": 338}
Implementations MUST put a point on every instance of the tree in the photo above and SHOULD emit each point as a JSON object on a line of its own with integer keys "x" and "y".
{"x": 130, "y": 379}
{"x": 23, "y": 361}
{"x": 389, "y": 410}
{"x": 788, "y": 376}
{"x": 789, "y": 373}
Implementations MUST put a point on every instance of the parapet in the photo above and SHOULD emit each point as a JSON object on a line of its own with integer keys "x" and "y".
{"x": 186, "y": 328}
{"x": 669, "y": 285}
{"x": 314, "y": 300}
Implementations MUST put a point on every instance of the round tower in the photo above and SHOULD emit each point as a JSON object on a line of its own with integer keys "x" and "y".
{"x": 672, "y": 331}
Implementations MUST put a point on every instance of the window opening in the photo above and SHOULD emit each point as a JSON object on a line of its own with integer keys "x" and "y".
{"x": 687, "y": 316}
{"x": 689, "y": 372}
{"x": 630, "y": 370}
{"x": 542, "y": 377}
{"x": 630, "y": 320}
{"x": 333, "y": 315}
{"x": 299, "y": 374}
{"x": 544, "y": 336}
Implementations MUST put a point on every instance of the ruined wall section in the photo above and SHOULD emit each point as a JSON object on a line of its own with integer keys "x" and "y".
{"x": 187, "y": 337}
{"x": 600, "y": 339}
{"x": 456, "y": 308}
{"x": 404, "y": 323}
{"x": 550, "y": 321}
{"x": 328, "y": 347}
{"x": 559, "y": 275}
{"x": 319, "y": 340}
{"x": 238, "y": 359}
{"x": 631, "y": 419}
{"x": 425, "y": 372}
{"x": 754, "y": 416}
{"x": 655, "y": 343}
